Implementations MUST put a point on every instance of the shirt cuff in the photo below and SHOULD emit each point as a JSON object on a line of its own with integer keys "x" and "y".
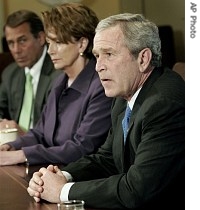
{"x": 64, "y": 194}
{"x": 67, "y": 176}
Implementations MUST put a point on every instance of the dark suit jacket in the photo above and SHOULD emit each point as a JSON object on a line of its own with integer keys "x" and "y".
{"x": 12, "y": 90}
{"x": 148, "y": 172}
{"x": 74, "y": 122}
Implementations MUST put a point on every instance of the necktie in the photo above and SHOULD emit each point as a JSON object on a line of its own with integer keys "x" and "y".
{"x": 125, "y": 121}
{"x": 25, "y": 116}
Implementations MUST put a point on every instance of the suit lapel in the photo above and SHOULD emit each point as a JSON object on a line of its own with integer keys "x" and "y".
{"x": 41, "y": 89}
{"x": 18, "y": 87}
{"x": 118, "y": 143}
{"x": 145, "y": 89}
{"x": 43, "y": 85}
{"x": 142, "y": 94}
{"x": 139, "y": 100}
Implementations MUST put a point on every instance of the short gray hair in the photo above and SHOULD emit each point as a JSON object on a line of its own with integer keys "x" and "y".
{"x": 139, "y": 33}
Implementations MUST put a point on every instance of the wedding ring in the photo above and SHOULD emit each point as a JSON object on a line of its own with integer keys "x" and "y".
{"x": 7, "y": 126}
{"x": 27, "y": 169}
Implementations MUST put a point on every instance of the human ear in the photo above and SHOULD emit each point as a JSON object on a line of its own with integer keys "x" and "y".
{"x": 144, "y": 59}
{"x": 41, "y": 37}
{"x": 83, "y": 44}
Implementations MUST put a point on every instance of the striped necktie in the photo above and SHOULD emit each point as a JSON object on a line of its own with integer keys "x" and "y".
{"x": 125, "y": 121}
{"x": 26, "y": 111}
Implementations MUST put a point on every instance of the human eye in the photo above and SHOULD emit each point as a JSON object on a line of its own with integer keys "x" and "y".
{"x": 108, "y": 54}
{"x": 22, "y": 40}
{"x": 96, "y": 55}
{"x": 58, "y": 42}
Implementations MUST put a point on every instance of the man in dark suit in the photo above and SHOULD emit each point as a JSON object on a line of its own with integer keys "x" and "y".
{"x": 144, "y": 167}
{"x": 25, "y": 36}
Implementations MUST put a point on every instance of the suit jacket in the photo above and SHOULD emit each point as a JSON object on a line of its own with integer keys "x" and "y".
{"x": 74, "y": 122}
{"x": 12, "y": 90}
{"x": 148, "y": 171}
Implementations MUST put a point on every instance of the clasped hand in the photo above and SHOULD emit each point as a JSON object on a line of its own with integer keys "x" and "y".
{"x": 47, "y": 184}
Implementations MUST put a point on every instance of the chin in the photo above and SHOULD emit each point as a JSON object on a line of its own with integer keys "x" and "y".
{"x": 56, "y": 66}
{"x": 109, "y": 94}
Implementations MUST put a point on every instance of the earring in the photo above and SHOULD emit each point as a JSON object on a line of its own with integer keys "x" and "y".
{"x": 81, "y": 53}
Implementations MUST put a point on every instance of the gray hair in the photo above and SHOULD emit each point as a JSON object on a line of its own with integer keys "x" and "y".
{"x": 139, "y": 33}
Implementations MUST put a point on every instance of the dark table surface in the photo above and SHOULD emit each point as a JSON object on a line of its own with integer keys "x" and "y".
{"x": 13, "y": 189}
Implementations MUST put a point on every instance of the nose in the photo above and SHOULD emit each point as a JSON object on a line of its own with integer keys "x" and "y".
{"x": 15, "y": 48}
{"x": 100, "y": 66}
{"x": 51, "y": 49}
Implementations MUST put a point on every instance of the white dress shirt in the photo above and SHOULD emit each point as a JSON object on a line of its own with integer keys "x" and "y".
{"x": 35, "y": 72}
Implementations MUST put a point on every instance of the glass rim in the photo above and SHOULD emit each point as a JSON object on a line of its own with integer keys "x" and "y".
{"x": 71, "y": 203}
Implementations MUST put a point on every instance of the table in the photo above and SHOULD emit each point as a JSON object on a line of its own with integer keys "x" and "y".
{"x": 13, "y": 194}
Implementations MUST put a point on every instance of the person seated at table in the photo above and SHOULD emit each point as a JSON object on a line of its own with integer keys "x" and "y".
{"x": 141, "y": 164}
{"x": 76, "y": 118}
{"x": 24, "y": 33}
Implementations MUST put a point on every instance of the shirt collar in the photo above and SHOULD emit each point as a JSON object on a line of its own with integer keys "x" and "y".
{"x": 35, "y": 70}
{"x": 132, "y": 101}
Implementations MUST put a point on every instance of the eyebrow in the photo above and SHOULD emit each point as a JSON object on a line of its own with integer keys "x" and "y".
{"x": 51, "y": 38}
{"x": 18, "y": 38}
{"x": 103, "y": 50}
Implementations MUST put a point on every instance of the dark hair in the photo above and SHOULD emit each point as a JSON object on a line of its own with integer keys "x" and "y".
{"x": 25, "y": 16}
{"x": 71, "y": 20}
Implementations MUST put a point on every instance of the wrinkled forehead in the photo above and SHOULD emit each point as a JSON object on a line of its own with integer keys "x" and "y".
{"x": 24, "y": 27}
{"x": 18, "y": 32}
{"x": 111, "y": 36}
{"x": 112, "y": 32}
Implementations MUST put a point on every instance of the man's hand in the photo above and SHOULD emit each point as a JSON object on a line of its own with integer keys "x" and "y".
{"x": 47, "y": 184}
{"x": 35, "y": 186}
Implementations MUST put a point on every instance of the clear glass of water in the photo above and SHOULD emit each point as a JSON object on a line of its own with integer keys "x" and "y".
{"x": 71, "y": 205}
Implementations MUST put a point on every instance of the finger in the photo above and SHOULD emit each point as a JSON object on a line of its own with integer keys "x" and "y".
{"x": 43, "y": 170}
{"x": 33, "y": 193}
{"x": 2, "y": 148}
{"x": 5, "y": 147}
{"x": 34, "y": 186}
{"x": 58, "y": 171}
{"x": 37, "y": 178}
{"x": 30, "y": 191}
{"x": 36, "y": 199}
{"x": 50, "y": 168}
